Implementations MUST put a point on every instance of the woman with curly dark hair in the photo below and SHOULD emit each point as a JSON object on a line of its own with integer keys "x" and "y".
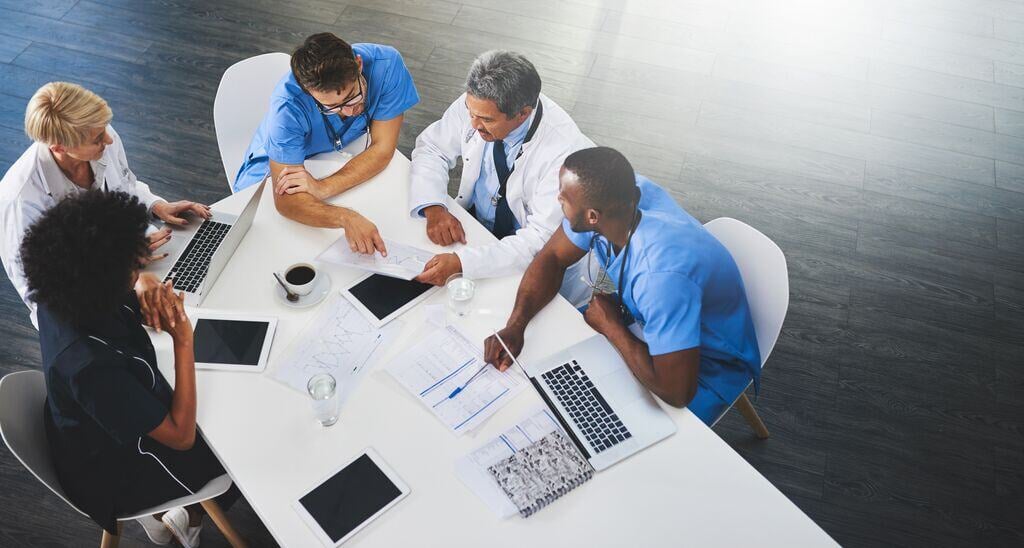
{"x": 121, "y": 438}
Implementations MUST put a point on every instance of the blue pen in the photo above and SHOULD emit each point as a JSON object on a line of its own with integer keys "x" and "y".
{"x": 465, "y": 384}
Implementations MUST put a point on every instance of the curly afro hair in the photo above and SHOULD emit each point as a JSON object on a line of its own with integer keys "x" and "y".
{"x": 80, "y": 257}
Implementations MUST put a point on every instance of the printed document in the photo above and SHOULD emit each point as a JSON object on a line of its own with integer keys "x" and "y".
{"x": 447, "y": 374}
{"x": 338, "y": 341}
{"x": 403, "y": 261}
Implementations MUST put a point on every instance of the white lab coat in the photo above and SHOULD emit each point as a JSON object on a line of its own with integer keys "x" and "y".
{"x": 35, "y": 183}
{"x": 532, "y": 188}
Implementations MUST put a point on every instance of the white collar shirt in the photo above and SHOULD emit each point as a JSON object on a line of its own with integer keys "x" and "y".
{"x": 35, "y": 183}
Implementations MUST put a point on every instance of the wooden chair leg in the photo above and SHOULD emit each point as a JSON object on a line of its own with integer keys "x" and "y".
{"x": 221, "y": 521}
{"x": 747, "y": 409}
{"x": 111, "y": 541}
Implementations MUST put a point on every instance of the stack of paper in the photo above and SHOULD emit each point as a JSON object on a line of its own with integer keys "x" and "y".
{"x": 448, "y": 375}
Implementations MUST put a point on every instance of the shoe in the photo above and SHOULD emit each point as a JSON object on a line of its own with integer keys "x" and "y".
{"x": 176, "y": 519}
{"x": 155, "y": 529}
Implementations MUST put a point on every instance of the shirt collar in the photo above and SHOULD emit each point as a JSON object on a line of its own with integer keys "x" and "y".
{"x": 518, "y": 134}
{"x": 57, "y": 184}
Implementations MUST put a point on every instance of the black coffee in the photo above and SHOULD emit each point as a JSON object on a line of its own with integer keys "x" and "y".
{"x": 300, "y": 275}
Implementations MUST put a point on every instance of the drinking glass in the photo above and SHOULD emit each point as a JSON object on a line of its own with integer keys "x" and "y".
{"x": 460, "y": 292}
{"x": 324, "y": 391}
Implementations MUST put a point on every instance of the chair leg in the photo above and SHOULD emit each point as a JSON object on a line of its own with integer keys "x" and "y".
{"x": 111, "y": 541}
{"x": 748, "y": 412}
{"x": 221, "y": 521}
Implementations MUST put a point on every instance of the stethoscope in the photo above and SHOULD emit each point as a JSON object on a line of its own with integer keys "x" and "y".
{"x": 622, "y": 267}
{"x": 336, "y": 139}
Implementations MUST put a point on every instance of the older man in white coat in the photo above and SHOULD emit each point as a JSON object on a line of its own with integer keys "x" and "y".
{"x": 512, "y": 140}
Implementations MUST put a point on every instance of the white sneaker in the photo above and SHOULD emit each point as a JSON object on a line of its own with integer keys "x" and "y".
{"x": 155, "y": 529}
{"x": 176, "y": 519}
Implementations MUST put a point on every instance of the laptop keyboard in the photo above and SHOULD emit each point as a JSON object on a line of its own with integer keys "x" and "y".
{"x": 586, "y": 406}
{"x": 190, "y": 268}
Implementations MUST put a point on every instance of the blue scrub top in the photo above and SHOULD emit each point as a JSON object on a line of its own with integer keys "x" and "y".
{"x": 294, "y": 129}
{"x": 683, "y": 287}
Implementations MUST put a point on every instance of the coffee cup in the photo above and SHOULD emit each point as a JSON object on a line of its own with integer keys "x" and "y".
{"x": 300, "y": 278}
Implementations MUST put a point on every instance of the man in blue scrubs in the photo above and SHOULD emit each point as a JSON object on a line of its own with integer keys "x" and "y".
{"x": 334, "y": 94}
{"x": 679, "y": 316}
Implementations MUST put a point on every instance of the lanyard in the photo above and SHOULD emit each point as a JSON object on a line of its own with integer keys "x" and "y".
{"x": 336, "y": 139}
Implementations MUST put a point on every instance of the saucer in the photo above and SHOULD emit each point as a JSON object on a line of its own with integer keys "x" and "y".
{"x": 320, "y": 291}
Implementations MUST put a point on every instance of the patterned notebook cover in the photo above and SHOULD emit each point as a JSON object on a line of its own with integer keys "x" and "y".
{"x": 537, "y": 475}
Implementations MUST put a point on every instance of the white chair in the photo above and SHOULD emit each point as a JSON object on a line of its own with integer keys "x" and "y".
{"x": 766, "y": 279}
{"x": 22, "y": 397}
{"x": 241, "y": 102}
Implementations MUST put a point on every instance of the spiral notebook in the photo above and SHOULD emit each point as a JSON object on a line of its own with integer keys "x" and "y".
{"x": 526, "y": 468}
{"x": 541, "y": 473}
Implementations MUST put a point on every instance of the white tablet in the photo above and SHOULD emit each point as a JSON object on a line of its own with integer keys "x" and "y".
{"x": 350, "y": 497}
{"x": 383, "y": 298}
{"x": 232, "y": 342}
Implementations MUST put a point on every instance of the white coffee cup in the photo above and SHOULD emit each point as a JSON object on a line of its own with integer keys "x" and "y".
{"x": 300, "y": 278}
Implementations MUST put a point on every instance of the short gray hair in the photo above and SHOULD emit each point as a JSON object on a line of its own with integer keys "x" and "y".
{"x": 505, "y": 77}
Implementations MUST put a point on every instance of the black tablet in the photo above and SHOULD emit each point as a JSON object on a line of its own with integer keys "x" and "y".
{"x": 232, "y": 341}
{"x": 350, "y": 498}
{"x": 383, "y": 298}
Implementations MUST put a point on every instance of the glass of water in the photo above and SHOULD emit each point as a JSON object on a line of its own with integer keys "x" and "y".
{"x": 324, "y": 391}
{"x": 460, "y": 292}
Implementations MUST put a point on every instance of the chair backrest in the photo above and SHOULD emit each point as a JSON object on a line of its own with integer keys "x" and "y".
{"x": 765, "y": 277}
{"x": 22, "y": 397}
{"x": 241, "y": 103}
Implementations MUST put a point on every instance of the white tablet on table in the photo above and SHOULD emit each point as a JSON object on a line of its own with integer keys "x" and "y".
{"x": 350, "y": 497}
{"x": 383, "y": 298}
{"x": 232, "y": 341}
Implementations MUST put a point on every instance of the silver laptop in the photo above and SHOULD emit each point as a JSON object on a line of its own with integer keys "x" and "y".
{"x": 607, "y": 413}
{"x": 198, "y": 252}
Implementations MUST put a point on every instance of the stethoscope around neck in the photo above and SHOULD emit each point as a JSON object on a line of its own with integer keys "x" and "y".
{"x": 633, "y": 223}
{"x": 336, "y": 139}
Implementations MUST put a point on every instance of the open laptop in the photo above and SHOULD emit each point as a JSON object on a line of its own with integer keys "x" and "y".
{"x": 198, "y": 252}
{"x": 606, "y": 412}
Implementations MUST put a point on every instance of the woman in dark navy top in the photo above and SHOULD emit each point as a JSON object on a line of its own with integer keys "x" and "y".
{"x": 122, "y": 439}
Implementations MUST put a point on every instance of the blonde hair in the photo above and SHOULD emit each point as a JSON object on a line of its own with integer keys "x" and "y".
{"x": 60, "y": 113}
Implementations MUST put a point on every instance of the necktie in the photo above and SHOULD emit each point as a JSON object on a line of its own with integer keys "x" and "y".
{"x": 504, "y": 221}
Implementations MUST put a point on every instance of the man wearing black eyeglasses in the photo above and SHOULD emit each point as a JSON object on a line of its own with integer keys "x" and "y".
{"x": 335, "y": 94}
{"x": 678, "y": 315}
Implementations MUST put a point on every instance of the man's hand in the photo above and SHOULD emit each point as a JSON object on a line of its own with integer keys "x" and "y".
{"x": 158, "y": 310}
{"x": 442, "y": 227}
{"x": 156, "y": 240}
{"x": 171, "y": 212}
{"x": 362, "y": 235}
{"x": 439, "y": 268}
{"x": 603, "y": 314}
{"x": 295, "y": 179}
{"x": 496, "y": 355}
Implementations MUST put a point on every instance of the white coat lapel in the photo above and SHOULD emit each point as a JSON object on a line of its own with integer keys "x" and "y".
{"x": 472, "y": 154}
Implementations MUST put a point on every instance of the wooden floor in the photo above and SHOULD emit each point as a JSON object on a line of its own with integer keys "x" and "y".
{"x": 880, "y": 143}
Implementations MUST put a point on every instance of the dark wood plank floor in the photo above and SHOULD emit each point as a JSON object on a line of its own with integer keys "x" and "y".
{"x": 879, "y": 142}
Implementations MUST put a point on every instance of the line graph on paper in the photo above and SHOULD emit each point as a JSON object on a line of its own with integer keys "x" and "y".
{"x": 338, "y": 341}
{"x": 403, "y": 261}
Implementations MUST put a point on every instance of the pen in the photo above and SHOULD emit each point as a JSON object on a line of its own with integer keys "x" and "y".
{"x": 510, "y": 354}
{"x": 465, "y": 384}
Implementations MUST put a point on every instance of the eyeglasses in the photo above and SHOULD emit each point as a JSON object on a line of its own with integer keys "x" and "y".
{"x": 334, "y": 109}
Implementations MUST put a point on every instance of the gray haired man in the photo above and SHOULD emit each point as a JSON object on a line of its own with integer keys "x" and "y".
{"x": 512, "y": 140}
